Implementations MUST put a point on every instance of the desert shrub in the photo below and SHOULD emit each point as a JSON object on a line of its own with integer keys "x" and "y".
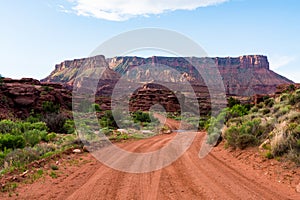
{"x": 260, "y": 105}
{"x": 269, "y": 102}
{"x": 34, "y": 117}
{"x": 282, "y": 111}
{"x": 294, "y": 117}
{"x": 294, "y": 98}
{"x": 8, "y": 126}
{"x": 21, "y": 156}
{"x": 50, "y": 107}
{"x": 279, "y": 145}
{"x": 214, "y": 136}
{"x": 44, "y": 148}
{"x": 284, "y": 97}
{"x": 140, "y": 116}
{"x": 236, "y": 139}
{"x": 254, "y": 109}
{"x": 202, "y": 122}
{"x": 291, "y": 88}
{"x": 232, "y": 102}
{"x": 266, "y": 111}
{"x": 41, "y": 126}
{"x": 96, "y": 107}
{"x": 214, "y": 126}
{"x": 8, "y": 141}
{"x": 231, "y": 135}
{"x": 287, "y": 142}
{"x": 55, "y": 122}
{"x": 251, "y": 127}
{"x": 108, "y": 120}
{"x": 69, "y": 126}
{"x": 215, "y": 122}
{"x": 245, "y": 140}
{"x": 106, "y": 131}
{"x": 269, "y": 155}
{"x": 33, "y": 137}
{"x": 54, "y": 167}
{"x": 244, "y": 135}
{"x": 294, "y": 156}
{"x": 236, "y": 111}
{"x": 276, "y": 108}
{"x": 50, "y": 137}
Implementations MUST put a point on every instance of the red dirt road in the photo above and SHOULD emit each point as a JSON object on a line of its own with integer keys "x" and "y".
{"x": 187, "y": 178}
{"x": 218, "y": 176}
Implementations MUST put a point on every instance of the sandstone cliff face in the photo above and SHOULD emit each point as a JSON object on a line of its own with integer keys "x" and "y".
{"x": 19, "y": 97}
{"x": 242, "y": 76}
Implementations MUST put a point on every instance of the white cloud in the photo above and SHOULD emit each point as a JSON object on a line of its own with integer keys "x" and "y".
{"x": 121, "y": 10}
{"x": 277, "y": 62}
{"x": 61, "y": 8}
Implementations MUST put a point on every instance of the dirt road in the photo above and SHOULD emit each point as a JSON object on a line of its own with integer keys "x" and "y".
{"x": 217, "y": 176}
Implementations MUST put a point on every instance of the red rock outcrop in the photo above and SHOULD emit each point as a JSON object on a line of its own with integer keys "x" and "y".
{"x": 19, "y": 97}
{"x": 152, "y": 94}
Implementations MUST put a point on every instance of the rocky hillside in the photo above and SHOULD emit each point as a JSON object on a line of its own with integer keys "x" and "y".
{"x": 20, "y": 97}
{"x": 242, "y": 76}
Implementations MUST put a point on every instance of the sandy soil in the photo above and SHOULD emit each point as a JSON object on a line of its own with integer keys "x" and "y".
{"x": 220, "y": 175}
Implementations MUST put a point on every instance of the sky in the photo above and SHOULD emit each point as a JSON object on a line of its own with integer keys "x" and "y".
{"x": 37, "y": 34}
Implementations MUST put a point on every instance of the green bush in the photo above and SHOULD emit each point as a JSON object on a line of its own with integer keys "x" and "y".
{"x": 50, "y": 137}
{"x": 107, "y": 120}
{"x": 96, "y": 107}
{"x": 284, "y": 97}
{"x": 106, "y": 131}
{"x": 8, "y": 126}
{"x": 243, "y": 135}
{"x": 50, "y": 107}
{"x": 232, "y": 102}
{"x": 34, "y": 117}
{"x": 245, "y": 140}
{"x": 41, "y": 126}
{"x": 254, "y": 109}
{"x": 269, "y": 102}
{"x": 294, "y": 117}
{"x": 140, "y": 116}
{"x": 69, "y": 126}
{"x": 269, "y": 155}
{"x": 266, "y": 111}
{"x": 8, "y": 141}
{"x": 294, "y": 98}
{"x": 284, "y": 110}
{"x": 236, "y": 111}
{"x": 33, "y": 137}
{"x": 201, "y": 125}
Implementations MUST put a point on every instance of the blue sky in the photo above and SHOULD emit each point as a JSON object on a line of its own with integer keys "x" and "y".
{"x": 37, "y": 34}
